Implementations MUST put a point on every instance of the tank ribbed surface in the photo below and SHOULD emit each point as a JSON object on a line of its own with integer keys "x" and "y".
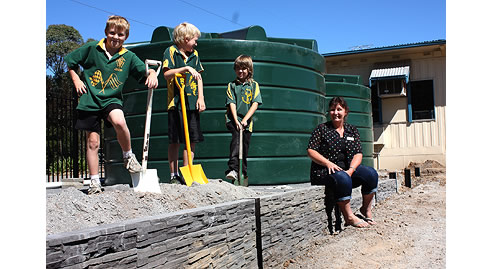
{"x": 290, "y": 74}
{"x": 358, "y": 98}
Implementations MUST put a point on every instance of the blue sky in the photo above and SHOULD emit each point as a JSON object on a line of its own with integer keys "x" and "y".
{"x": 336, "y": 25}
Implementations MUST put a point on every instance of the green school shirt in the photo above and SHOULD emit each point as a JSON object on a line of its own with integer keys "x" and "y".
{"x": 174, "y": 59}
{"x": 103, "y": 77}
{"x": 243, "y": 95}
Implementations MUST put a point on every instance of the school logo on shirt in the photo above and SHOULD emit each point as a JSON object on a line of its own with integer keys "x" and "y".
{"x": 193, "y": 85}
{"x": 113, "y": 81}
{"x": 248, "y": 94}
{"x": 96, "y": 78}
{"x": 119, "y": 64}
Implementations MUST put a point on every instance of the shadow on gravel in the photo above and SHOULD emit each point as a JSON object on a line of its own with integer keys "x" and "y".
{"x": 332, "y": 209}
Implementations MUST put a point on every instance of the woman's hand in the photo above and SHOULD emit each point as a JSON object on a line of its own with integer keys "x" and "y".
{"x": 349, "y": 172}
{"x": 332, "y": 168}
{"x": 319, "y": 159}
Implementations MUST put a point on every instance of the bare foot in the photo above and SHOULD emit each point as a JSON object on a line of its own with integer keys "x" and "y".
{"x": 367, "y": 215}
{"x": 356, "y": 222}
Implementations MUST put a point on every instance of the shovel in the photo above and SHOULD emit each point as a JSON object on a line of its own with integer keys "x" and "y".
{"x": 191, "y": 173}
{"x": 147, "y": 180}
{"x": 241, "y": 179}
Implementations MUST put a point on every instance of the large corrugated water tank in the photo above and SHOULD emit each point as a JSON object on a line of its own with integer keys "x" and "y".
{"x": 290, "y": 74}
{"x": 358, "y": 99}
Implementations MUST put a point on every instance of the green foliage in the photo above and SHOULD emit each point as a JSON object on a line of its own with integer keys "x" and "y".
{"x": 64, "y": 165}
{"x": 61, "y": 39}
{"x": 61, "y": 100}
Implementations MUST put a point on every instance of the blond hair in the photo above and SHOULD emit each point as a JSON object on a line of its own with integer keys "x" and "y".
{"x": 245, "y": 61}
{"x": 184, "y": 31}
{"x": 119, "y": 23}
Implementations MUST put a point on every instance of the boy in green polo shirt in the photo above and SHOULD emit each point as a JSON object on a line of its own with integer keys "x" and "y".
{"x": 183, "y": 58}
{"x": 242, "y": 99}
{"x": 107, "y": 66}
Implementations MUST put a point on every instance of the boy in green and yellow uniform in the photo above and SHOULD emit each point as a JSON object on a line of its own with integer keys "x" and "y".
{"x": 107, "y": 66}
{"x": 242, "y": 99}
{"x": 183, "y": 58}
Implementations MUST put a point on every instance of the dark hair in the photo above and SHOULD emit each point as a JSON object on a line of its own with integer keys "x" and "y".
{"x": 338, "y": 101}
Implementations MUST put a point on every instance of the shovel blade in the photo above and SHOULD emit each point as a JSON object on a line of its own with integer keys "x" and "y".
{"x": 194, "y": 173}
{"x": 185, "y": 172}
{"x": 146, "y": 182}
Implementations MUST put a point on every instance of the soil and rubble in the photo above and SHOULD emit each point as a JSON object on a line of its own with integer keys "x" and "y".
{"x": 410, "y": 230}
{"x": 71, "y": 209}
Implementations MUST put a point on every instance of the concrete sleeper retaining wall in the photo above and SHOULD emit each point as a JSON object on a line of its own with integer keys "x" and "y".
{"x": 249, "y": 233}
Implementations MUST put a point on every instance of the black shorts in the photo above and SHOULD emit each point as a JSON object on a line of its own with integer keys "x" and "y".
{"x": 176, "y": 127}
{"x": 91, "y": 120}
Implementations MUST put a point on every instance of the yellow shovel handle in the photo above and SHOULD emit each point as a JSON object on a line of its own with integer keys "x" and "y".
{"x": 185, "y": 117}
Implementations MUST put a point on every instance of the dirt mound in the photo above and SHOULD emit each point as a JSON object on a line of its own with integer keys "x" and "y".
{"x": 410, "y": 233}
{"x": 71, "y": 209}
{"x": 426, "y": 164}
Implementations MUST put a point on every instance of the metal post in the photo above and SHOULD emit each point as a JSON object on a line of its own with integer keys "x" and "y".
{"x": 408, "y": 179}
{"x": 259, "y": 244}
{"x": 75, "y": 137}
{"x": 392, "y": 175}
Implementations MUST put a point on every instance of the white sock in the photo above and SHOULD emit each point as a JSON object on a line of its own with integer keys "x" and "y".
{"x": 126, "y": 154}
{"x": 95, "y": 179}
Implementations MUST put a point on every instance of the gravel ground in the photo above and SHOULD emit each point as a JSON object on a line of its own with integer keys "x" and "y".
{"x": 71, "y": 209}
{"x": 410, "y": 232}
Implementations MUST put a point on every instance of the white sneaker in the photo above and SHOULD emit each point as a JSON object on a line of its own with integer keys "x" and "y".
{"x": 94, "y": 188}
{"x": 131, "y": 164}
{"x": 232, "y": 175}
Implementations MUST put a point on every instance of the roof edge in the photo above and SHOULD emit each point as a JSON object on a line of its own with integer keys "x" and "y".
{"x": 411, "y": 45}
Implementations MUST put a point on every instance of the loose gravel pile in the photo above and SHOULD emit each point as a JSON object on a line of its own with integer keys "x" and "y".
{"x": 71, "y": 209}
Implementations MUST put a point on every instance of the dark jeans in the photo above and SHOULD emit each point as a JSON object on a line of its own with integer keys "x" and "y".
{"x": 343, "y": 184}
{"x": 233, "y": 162}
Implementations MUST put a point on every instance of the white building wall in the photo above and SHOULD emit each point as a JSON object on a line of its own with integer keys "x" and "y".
{"x": 404, "y": 142}
{"x": 419, "y": 140}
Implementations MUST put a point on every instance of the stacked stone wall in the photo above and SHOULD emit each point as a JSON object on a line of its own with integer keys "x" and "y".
{"x": 250, "y": 233}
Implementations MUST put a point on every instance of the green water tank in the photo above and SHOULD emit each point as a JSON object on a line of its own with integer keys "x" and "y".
{"x": 290, "y": 74}
{"x": 358, "y": 98}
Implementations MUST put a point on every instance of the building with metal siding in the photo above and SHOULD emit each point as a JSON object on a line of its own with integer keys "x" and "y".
{"x": 409, "y": 116}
